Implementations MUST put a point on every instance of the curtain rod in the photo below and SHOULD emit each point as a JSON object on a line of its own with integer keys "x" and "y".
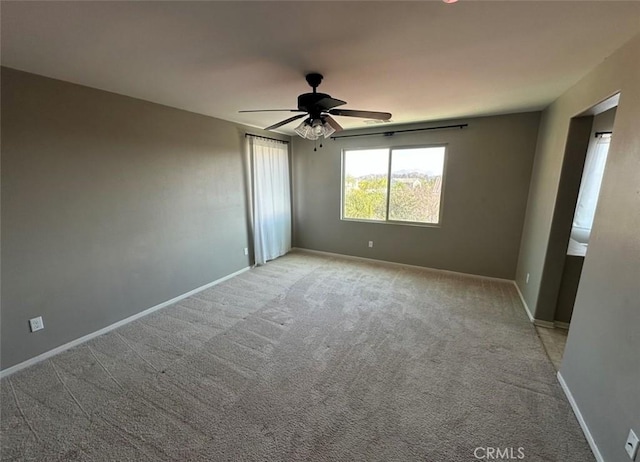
{"x": 603, "y": 133}
{"x": 265, "y": 138}
{"x": 391, "y": 133}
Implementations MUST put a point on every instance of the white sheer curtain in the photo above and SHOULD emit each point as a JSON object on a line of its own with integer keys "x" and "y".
{"x": 271, "y": 198}
{"x": 590, "y": 185}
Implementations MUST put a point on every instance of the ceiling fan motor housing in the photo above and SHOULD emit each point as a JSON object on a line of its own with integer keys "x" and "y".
{"x": 308, "y": 102}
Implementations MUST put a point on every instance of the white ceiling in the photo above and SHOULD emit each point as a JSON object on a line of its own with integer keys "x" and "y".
{"x": 420, "y": 60}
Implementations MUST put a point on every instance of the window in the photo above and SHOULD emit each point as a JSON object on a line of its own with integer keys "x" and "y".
{"x": 393, "y": 184}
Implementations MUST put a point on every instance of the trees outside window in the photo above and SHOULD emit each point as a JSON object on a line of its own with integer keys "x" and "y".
{"x": 393, "y": 184}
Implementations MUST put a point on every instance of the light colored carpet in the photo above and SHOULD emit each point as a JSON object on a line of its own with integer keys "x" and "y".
{"x": 554, "y": 341}
{"x": 309, "y": 358}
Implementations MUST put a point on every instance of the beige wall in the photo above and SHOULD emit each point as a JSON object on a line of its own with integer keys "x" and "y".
{"x": 488, "y": 170}
{"x": 110, "y": 205}
{"x": 601, "y": 365}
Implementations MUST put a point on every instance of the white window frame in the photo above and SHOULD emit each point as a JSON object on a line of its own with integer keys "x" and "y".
{"x": 387, "y": 220}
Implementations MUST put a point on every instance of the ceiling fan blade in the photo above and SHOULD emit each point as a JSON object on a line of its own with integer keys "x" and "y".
{"x": 286, "y": 121}
{"x": 273, "y": 110}
{"x": 364, "y": 114}
{"x": 331, "y": 121}
{"x": 327, "y": 103}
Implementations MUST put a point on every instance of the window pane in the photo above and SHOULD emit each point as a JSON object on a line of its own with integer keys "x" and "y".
{"x": 365, "y": 184}
{"x": 416, "y": 184}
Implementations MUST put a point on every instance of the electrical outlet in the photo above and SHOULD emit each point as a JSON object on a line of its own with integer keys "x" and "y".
{"x": 246, "y": 251}
{"x": 370, "y": 243}
{"x": 631, "y": 446}
{"x": 36, "y": 324}
{"x": 527, "y": 281}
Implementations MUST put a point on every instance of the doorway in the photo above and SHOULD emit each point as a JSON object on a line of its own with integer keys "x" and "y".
{"x": 582, "y": 171}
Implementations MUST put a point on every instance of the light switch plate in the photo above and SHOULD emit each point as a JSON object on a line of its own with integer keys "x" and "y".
{"x": 631, "y": 446}
{"x": 36, "y": 324}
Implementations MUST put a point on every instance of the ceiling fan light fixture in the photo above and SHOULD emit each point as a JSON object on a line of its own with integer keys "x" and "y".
{"x": 305, "y": 130}
{"x": 318, "y": 129}
{"x": 314, "y": 129}
{"x": 327, "y": 130}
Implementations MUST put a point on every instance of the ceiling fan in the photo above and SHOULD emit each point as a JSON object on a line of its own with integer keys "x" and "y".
{"x": 318, "y": 109}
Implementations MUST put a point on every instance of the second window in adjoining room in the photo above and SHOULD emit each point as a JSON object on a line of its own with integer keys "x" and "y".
{"x": 393, "y": 184}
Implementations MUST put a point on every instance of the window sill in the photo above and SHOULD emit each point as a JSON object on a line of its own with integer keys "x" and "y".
{"x": 396, "y": 223}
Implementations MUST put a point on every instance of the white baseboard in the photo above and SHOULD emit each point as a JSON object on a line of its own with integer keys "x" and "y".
{"x": 581, "y": 421}
{"x": 539, "y": 322}
{"x": 524, "y": 303}
{"x": 48, "y": 354}
{"x": 405, "y": 265}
